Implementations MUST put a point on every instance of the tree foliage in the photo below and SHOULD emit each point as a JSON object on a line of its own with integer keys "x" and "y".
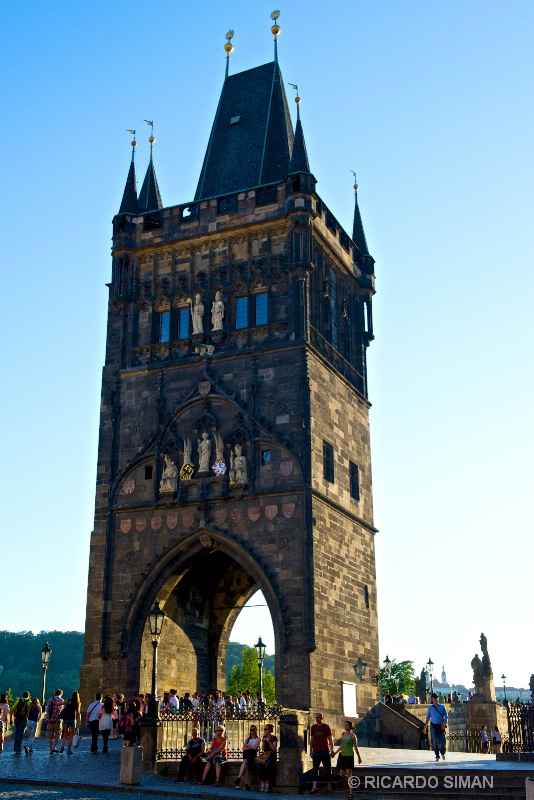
{"x": 402, "y": 679}
{"x": 245, "y": 677}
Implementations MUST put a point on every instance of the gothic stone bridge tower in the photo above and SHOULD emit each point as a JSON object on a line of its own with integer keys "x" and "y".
{"x": 234, "y": 446}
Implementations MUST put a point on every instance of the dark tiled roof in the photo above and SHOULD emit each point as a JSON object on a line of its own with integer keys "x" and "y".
{"x": 129, "y": 199}
{"x": 299, "y": 156}
{"x": 149, "y": 196}
{"x": 256, "y": 149}
{"x": 358, "y": 234}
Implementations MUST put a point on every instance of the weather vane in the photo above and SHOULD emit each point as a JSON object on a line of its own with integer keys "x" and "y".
{"x": 151, "y": 137}
{"x": 355, "y": 184}
{"x": 275, "y": 30}
{"x": 134, "y": 143}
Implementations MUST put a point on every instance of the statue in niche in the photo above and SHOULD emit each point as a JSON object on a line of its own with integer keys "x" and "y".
{"x": 169, "y": 479}
{"x": 187, "y": 469}
{"x": 219, "y": 467}
{"x": 217, "y": 313}
{"x": 204, "y": 451}
{"x": 238, "y": 467}
{"x": 197, "y": 314}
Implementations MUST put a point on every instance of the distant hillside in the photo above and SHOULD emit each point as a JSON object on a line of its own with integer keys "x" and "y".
{"x": 20, "y": 660}
{"x": 21, "y": 670}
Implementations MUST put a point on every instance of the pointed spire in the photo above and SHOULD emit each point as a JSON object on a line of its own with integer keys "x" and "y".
{"x": 129, "y": 203}
{"x": 149, "y": 196}
{"x": 299, "y": 155}
{"x": 358, "y": 234}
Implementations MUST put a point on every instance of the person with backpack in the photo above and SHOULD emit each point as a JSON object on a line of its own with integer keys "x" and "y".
{"x": 21, "y": 718}
{"x": 54, "y": 727}
{"x": 34, "y": 715}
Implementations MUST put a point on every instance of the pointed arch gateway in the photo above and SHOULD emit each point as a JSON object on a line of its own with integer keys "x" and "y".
{"x": 202, "y": 584}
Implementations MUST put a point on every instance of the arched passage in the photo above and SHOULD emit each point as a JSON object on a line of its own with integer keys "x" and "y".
{"x": 202, "y": 585}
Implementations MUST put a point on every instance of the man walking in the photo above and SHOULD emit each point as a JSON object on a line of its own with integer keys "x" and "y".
{"x": 91, "y": 720}
{"x": 321, "y": 750}
{"x": 437, "y": 716}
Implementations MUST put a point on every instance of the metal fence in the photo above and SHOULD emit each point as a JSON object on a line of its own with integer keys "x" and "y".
{"x": 177, "y": 729}
{"x": 521, "y": 727}
{"x": 470, "y": 741}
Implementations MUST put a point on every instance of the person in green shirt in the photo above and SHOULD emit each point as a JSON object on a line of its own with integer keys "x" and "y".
{"x": 347, "y": 747}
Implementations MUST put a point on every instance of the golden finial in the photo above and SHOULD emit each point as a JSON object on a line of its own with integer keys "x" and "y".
{"x": 275, "y": 30}
{"x": 228, "y": 49}
{"x": 134, "y": 143}
{"x": 296, "y": 88}
{"x": 355, "y": 184}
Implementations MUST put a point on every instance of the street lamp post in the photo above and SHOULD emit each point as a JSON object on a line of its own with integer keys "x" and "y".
{"x": 46, "y": 652}
{"x": 503, "y": 679}
{"x": 260, "y": 652}
{"x": 430, "y": 670}
{"x": 156, "y": 618}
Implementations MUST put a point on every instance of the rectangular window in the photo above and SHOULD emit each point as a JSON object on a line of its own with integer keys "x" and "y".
{"x": 164, "y": 326}
{"x": 354, "y": 481}
{"x": 262, "y": 314}
{"x": 328, "y": 462}
{"x": 183, "y": 324}
{"x": 241, "y": 312}
{"x": 266, "y": 458}
{"x": 148, "y": 473}
{"x": 366, "y": 596}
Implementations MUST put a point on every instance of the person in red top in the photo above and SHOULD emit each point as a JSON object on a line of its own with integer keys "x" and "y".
{"x": 216, "y": 755}
{"x": 321, "y": 750}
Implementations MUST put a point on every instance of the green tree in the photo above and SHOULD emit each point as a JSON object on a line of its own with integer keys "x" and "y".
{"x": 245, "y": 677}
{"x": 401, "y": 680}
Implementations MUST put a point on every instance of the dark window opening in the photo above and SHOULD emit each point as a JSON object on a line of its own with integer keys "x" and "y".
{"x": 262, "y": 311}
{"x": 366, "y": 595}
{"x": 227, "y": 204}
{"x": 241, "y": 313}
{"x": 152, "y": 221}
{"x": 164, "y": 326}
{"x": 149, "y": 471}
{"x": 354, "y": 481}
{"x": 295, "y": 184}
{"x": 331, "y": 223}
{"x": 183, "y": 324}
{"x": 266, "y": 194}
{"x": 328, "y": 462}
{"x": 266, "y": 458}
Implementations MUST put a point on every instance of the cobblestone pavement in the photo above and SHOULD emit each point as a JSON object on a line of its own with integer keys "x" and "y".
{"x": 84, "y": 776}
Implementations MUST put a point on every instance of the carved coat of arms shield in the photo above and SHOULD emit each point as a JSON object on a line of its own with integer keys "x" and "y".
{"x": 128, "y": 486}
{"x": 237, "y": 515}
{"x": 188, "y": 519}
{"x": 220, "y": 516}
{"x": 254, "y": 513}
{"x": 140, "y": 524}
{"x": 271, "y": 511}
{"x": 286, "y": 468}
{"x": 126, "y": 525}
{"x": 156, "y": 522}
{"x": 288, "y": 509}
{"x": 172, "y": 521}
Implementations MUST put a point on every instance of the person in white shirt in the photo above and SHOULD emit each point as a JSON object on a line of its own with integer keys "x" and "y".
{"x": 172, "y": 703}
{"x": 91, "y": 720}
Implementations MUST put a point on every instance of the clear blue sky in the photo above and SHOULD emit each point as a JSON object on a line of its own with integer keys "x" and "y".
{"x": 431, "y": 103}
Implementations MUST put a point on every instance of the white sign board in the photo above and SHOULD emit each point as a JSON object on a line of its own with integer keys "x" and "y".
{"x": 349, "y": 699}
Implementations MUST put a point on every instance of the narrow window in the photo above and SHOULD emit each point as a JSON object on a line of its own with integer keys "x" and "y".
{"x": 266, "y": 458}
{"x": 328, "y": 462}
{"x": 366, "y": 595}
{"x": 333, "y": 309}
{"x": 241, "y": 312}
{"x": 354, "y": 482}
{"x": 148, "y": 473}
{"x": 183, "y": 324}
{"x": 164, "y": 326}
{"x": 262, "y": 314}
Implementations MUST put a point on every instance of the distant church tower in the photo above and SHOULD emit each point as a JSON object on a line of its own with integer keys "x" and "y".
{"x": 234, "y": 449}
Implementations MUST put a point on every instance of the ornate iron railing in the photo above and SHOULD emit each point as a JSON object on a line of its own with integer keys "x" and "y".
{"x": 470, "y": 741}
{"x": 521, "y": 727}
{"x": 177, "y": 729}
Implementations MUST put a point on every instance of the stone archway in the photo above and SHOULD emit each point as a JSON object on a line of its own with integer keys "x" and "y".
{"x": 202, "y": 584}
